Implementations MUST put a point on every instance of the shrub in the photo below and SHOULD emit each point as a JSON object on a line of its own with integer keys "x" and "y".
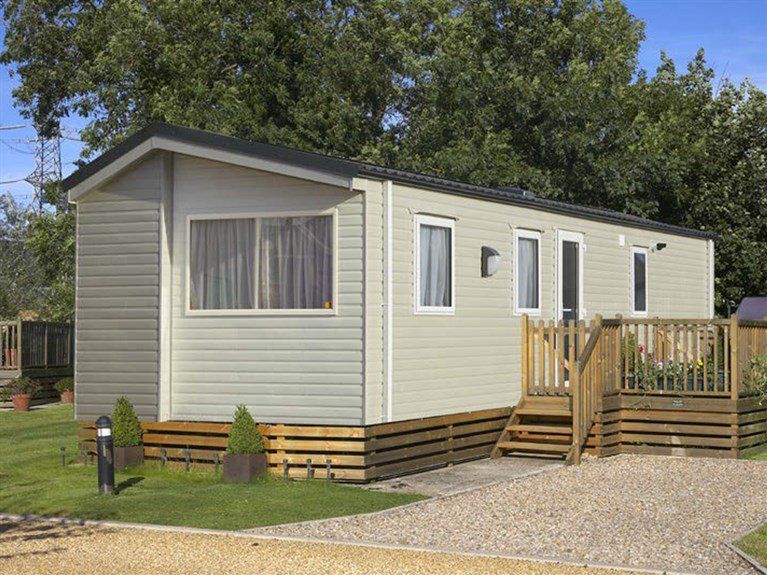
{"x": 23, "y": 385}
{"x": 244, "y": 437}
{"x": 126, "y": 429}
{"x": 65, "y": 384}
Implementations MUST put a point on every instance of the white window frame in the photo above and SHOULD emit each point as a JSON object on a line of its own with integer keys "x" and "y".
{"x": 259, "y": 312}
{"x": 580, "y": 239}
{"x": 634, "y": 311}
{"x": 530, "y": 235}
{"x": 419, "y": 221}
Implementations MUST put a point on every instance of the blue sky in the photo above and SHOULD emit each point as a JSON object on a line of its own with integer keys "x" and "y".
{"x": 733, "y": 33}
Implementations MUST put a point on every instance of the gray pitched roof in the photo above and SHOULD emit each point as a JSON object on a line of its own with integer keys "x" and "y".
{"x": 351, "y": 169}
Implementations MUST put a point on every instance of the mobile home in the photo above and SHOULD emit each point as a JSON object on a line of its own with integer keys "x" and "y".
{"x": 323, "y": 292}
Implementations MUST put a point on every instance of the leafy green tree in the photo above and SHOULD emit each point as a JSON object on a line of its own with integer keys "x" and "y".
{"x": 21, "y": 280}
{"x": 51, "y": 241}
{"x": 543, "y": 94}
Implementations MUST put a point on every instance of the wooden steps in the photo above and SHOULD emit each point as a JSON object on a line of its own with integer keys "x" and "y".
{"x": 539, "y": 427}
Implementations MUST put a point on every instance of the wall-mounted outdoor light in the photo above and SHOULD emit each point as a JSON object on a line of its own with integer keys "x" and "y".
{"x": 658, "y": 247}
{"x": 491, "y": 261}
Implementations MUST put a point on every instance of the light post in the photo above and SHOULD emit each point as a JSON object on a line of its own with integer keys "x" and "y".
{"x": 105, "y": 451}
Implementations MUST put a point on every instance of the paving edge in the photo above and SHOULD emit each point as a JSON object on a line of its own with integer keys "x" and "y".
{"x": 747, "y": 558}
{"x": 340, "y": 542}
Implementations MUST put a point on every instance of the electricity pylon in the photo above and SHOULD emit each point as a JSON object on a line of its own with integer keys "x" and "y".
{"x": 47, "y": 165}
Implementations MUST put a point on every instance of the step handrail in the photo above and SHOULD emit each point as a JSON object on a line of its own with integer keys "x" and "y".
{"x": 586, "y": 392}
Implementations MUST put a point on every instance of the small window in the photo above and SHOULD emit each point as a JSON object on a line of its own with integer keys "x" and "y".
{"x": 434, "y": 265}
{"x": 639, "y": 281}
{"x": 264, "y": 263}
{"x": 527, "y": 271}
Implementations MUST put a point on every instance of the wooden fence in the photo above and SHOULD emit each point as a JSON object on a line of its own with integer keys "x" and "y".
{"x": 35, "y": 345}
{"x": 342, "y": 453}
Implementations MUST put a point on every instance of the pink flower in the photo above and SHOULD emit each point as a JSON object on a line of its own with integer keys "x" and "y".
{"x": 641, "y": 348}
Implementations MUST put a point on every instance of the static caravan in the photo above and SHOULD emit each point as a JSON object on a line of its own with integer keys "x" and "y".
{"x": 338, "y": 299}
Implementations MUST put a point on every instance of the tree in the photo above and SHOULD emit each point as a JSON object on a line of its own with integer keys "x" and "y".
{"x": 311, "y": 74}
{"x": 51, "y": 241}
{"x": 543, "y": 94}
{"x": 525, "y": 93}
{"x": 21, "y": 281}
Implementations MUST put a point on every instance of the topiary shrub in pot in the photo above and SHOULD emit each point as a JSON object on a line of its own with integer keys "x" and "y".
{"x": 126, "y": 436}
{"x": 66, "y": 388}
{"x": 244, "y": 458}
{"x": 21, "y": 391}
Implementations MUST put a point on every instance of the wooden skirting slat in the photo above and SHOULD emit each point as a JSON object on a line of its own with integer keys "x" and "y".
{"x": 355, "y": 453}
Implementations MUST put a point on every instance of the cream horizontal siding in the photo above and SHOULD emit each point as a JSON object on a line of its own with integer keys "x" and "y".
{"x": 117, "y": 293}
{"x": 471, "y": 360}
{"x": 291, "y": 369}
{"x": 374, "y": 302}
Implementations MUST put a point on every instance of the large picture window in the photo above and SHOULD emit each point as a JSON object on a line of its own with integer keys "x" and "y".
{"x": 639, "y": 281}
{"x": 527, "y": 271}
{"x": 434, "y": 265}
{"x": 261, "y": 263}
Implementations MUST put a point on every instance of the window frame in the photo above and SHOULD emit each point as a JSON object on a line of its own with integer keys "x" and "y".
{"x": 441, "y": 222}
{"x": 632, "y": 286}
{"x": 520, "y": 233}
{"x": 188, "y": 311}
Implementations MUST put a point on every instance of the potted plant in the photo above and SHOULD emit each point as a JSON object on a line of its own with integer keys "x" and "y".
{"x": 126, "y": 436}
{"x": 244, "y": 458}
{"x": 21, "y": 391}
{"x": 66, "y": 388}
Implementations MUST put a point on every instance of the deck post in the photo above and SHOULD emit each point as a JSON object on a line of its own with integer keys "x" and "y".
{"x": 734, "y": 353}
{"x": 525, "y": 356}
{"x": 575, "y": 385}
{"x": 18, "y": 345}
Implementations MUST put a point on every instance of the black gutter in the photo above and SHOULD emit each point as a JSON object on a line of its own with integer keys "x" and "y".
{"x": 351, "y": 169}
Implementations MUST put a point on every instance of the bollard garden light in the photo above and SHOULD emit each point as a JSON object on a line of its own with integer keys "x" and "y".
{"x": 188, "y": 459}
{"x": 163, "y": 457}
{"x": 84, "y": 454}
{"x": 105, "y": 451}
{"x": 63, "y": 456}
{"x": 328, "y": 470}
{"x": 216, "y": 461}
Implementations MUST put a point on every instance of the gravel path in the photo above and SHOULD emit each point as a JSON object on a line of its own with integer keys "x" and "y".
{"x": 652, "y": 512}
{"x": 52, "y": 549}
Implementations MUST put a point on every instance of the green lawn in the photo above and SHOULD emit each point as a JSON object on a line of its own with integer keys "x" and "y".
{"x": 759, "y": 455}
{"x": 755, "y": 544}
{"x": 32, "y": 480}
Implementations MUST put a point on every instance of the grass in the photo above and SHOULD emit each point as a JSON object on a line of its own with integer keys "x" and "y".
{"x": 760, "y": 455}
{"x": 755, "y": 545}
{"x": 33, "y": 480}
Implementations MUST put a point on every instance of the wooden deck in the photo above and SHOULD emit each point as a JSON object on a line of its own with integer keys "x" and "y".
{"x": 658, "y": 386}
{"x": 38, "y": 349}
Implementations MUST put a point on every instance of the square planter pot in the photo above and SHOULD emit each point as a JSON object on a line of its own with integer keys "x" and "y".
{"x": 128, "y": 457}
{"x": 243, "y": 468}
{"x": 21, "y": 401}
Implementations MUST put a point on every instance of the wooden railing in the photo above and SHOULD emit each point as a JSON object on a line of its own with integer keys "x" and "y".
{"x": 10, "y": 345}
{"x": 35, "y": 345}
{"x": 591, "y": 361}
{"x": 706, "y": 357}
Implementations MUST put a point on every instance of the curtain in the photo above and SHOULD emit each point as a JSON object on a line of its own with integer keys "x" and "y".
{"x": 527, "y": 252}
{"x": 435, "y": 261}
{"x": 295, "y": 261}
{"x": 222, "y": 264}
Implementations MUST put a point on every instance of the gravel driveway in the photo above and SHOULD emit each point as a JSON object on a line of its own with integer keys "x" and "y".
{"x": 652, "y": 512}
{"x": 35, "y": 548}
